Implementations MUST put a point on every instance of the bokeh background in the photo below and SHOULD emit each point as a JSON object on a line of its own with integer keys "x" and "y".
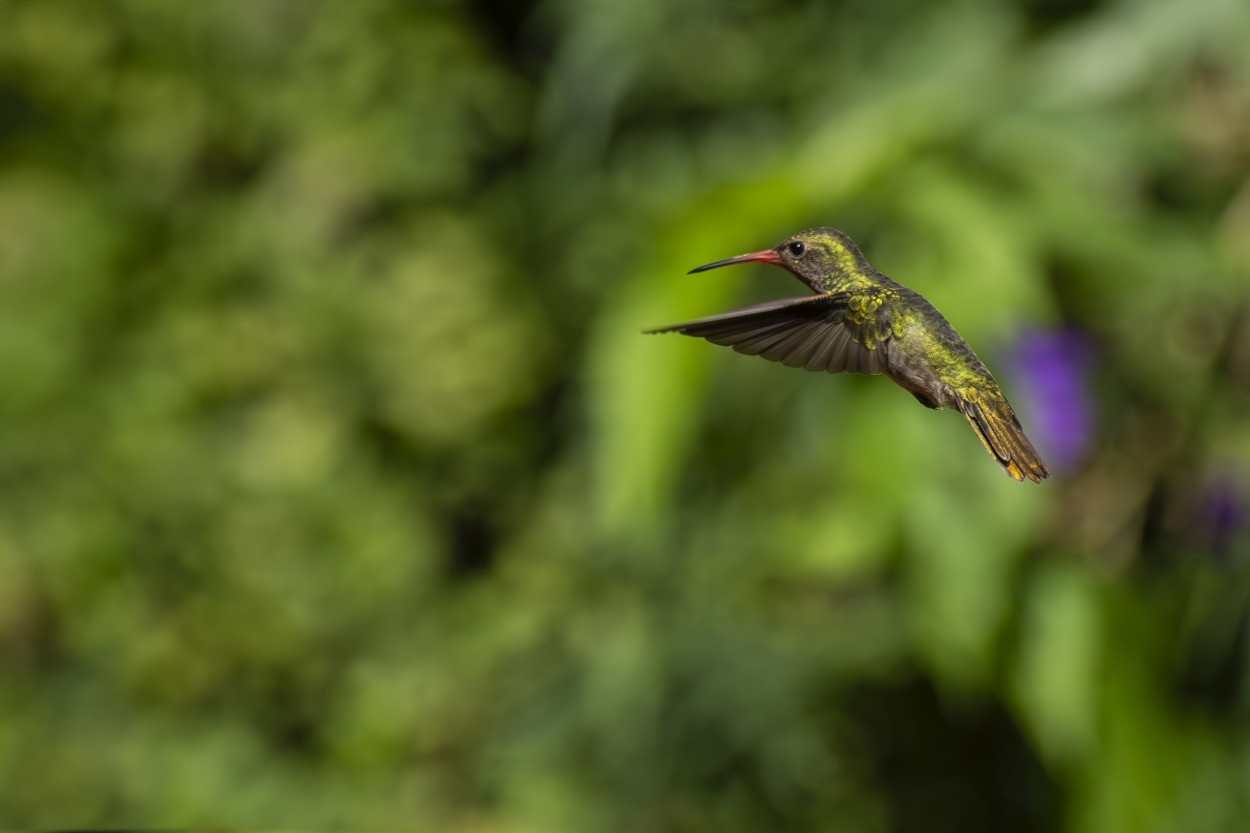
{"x": 340, "y": 488}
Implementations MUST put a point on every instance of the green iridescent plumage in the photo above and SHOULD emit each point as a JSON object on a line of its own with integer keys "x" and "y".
{"x": 862, "y": 321}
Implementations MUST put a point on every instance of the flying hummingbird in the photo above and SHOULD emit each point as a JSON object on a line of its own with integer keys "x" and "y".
{"x": 862, "y": 321}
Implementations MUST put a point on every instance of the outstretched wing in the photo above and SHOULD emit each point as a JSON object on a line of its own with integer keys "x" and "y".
{"x": 815, "y": 332}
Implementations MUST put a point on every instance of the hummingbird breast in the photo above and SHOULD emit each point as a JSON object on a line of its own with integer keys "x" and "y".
{"x": 931, "y": 361}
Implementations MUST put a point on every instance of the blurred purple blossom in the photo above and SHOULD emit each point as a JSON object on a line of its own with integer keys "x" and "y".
{"x": 1051, "y": 369}
{"x": 1222, "y": 516}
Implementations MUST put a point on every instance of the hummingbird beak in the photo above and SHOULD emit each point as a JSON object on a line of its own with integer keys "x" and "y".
{"x": 766, "y": 256}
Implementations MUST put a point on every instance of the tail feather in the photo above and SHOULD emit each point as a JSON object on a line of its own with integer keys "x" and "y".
{"x": 997, "y": 427}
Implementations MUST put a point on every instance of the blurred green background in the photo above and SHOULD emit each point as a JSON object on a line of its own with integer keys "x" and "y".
{"x": 339, "y": 487}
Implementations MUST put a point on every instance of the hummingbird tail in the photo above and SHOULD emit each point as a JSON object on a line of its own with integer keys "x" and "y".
{"x": 997, "y": 427}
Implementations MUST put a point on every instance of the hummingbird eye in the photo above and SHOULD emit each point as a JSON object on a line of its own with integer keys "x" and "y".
{"x": 797, "y": 248}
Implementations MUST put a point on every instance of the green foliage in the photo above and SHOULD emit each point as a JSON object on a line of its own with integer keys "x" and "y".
{"x": 338, "y": 486}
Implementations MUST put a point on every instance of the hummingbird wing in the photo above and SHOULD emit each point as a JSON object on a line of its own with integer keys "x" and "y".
{"x": 813, "y": 332}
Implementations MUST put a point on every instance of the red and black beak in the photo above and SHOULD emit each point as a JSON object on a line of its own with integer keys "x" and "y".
{"x": 766, "y": 256}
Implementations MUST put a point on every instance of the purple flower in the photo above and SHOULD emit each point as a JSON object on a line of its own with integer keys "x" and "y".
{"x": 1221, "y": 519}
{"x": 1057, "y": 410}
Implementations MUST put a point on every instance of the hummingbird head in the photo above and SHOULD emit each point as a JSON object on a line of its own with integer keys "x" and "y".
{"x": 818, "y": 257}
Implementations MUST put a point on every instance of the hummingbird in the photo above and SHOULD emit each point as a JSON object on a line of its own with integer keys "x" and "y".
{"x": 862, "y": 321}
